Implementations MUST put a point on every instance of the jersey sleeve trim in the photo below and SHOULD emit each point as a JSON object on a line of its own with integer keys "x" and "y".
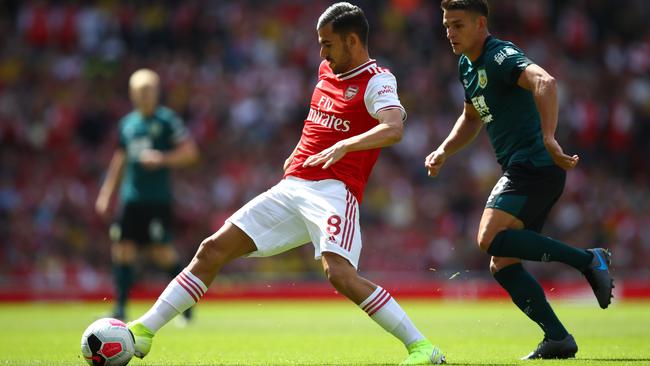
{"x": 394, "y": 107}
{"x": 517, "y": 70}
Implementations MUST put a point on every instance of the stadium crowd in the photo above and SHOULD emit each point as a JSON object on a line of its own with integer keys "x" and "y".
{"x": 240, "y": 74}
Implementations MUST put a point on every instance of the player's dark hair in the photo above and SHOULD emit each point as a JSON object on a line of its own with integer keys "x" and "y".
{"x": 345, "y": 18}
{"x": 477, "y": 6}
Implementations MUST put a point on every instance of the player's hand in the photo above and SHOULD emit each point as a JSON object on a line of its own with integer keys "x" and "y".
{"x": 563, "y": 160}
{"x": 328, "y": 156}
{"x": 434, "y": 162}
{"x": 152, "y": 159}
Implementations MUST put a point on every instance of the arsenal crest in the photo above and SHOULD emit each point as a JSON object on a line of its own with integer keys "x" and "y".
{"x": 482, "y": 78}
{"x": 351, "y": 91}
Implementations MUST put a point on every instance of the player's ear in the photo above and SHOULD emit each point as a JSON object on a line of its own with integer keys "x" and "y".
{"x": 482, "y": 22}
{"x": 352, "y": 40}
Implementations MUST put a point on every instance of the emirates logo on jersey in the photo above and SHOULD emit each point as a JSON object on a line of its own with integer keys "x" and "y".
{"x": 351, "y": 91}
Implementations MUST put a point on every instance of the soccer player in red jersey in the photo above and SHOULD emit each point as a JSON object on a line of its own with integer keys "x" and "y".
{"x": 354, "y": 111}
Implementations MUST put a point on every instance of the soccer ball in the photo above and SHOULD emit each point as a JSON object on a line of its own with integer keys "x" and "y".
{"x": 107, "y": 342}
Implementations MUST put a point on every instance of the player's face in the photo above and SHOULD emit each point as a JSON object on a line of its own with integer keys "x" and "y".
{"x": 463, "y": 30}
{"x": 334, "y": 49}
{"x": 145, "y": 98}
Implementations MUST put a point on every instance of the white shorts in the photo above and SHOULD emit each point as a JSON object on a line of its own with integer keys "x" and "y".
{"x": 296, "y": 211}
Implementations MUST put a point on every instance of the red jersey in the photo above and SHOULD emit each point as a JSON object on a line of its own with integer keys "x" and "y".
{"x": 343, "y": 106}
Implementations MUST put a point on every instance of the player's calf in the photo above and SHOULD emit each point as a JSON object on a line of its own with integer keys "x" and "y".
{"x": 344, "y": 281}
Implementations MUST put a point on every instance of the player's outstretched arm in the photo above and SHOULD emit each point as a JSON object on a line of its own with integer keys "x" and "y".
{"x": 113, "y": 178}
{"x": 544, "y": 89}
{"x": 386, "y": 133}
{"x": 184, "y": 154}
{"x": 465, "y": 130}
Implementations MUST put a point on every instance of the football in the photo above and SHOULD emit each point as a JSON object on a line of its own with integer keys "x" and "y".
{"x": 107, "y": 342}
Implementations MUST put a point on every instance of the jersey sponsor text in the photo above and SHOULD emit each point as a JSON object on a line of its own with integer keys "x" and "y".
{"x": 328, "y": 120}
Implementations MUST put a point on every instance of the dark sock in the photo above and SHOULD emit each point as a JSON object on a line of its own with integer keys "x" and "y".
{"x": 123, "y": 279}
{"x": 529, "y": 245}
{"x": 529, "y": 296}
{"x": 173, "y": 272}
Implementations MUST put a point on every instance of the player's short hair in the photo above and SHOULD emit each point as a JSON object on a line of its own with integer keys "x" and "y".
{"x": 144, "y": 77}
{"x": 477, "y": 6}
{"x": 346, "y": 18}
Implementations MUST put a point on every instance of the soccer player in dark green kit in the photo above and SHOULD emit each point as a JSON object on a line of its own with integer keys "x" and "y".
{"x": 152, "y": 139}
{"x": 516, "y": 100}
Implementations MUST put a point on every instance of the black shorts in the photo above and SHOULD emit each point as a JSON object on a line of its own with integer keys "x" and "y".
{"x": 143, "y": 223}
{"x": 528, "y": 193}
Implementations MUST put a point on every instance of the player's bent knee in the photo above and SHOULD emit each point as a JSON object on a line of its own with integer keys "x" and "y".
{"x": 212, "y": 252}
{"x": 493, "y": 267}
{"x": 499, "y": 263}
{"x": 484, "y": 240}
{"x": 487, "y": 239}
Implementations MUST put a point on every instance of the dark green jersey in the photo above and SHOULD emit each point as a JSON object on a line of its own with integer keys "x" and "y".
{"x": 161, "y": 131}
{"x": 507, "y": 110}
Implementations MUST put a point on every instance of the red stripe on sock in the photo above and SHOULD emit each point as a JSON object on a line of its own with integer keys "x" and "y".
{"x": 374, "y": 301}
{"x": 196, "y": 294}
{"x": 379, "y": 301}
{"x": 191, "y": 277}
{"x": 193, "y": 284}
{"x": 187, "y": 289}
{"x": 380, "y": 306}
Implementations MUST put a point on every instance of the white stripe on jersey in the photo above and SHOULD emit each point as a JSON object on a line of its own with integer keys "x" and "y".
{"x": 353, "y": 73}
{"x": 376, "y": 70}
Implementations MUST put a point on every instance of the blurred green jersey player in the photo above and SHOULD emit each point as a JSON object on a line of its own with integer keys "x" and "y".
{"x": 516, "y": 101}
{"x": 152, "y": 139}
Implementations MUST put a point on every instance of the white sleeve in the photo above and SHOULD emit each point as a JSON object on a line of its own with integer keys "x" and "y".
{"x": 381, "y": 93}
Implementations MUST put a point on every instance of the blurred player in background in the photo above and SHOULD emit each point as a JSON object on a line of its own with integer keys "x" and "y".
{"x": 152, "y": 139}
{"x": 355, "y": 111}
{"x": 516, "y": 100}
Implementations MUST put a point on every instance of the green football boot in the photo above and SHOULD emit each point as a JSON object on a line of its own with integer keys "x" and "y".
{"x": 424, "y": 353}
{"x": 143, "y": 338}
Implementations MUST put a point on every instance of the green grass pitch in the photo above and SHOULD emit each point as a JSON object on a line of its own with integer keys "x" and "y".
{"x": 332, "y": 332}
